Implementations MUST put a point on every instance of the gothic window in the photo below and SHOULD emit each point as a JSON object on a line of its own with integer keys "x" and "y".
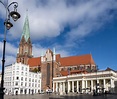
{"x": 48, "y": 75}
{"x": 23, "y": 60}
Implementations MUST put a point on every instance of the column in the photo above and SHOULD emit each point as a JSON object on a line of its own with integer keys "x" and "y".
{"x": 104, "y": 84}
{"x": 63, "y": 87}
{"x": 86, "y": 86}
{"x": 68, "y": 86}
{"x": 112, "y": 83}
{"x": 97, "y": 85}
{"x": 56, "y": 87}
{"x": 72, "y": 86}
{"x": 91, "y": 85}
{"x": 78, "y": 86}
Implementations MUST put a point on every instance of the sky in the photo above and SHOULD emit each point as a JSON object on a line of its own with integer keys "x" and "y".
{"x": 72, "y": 27}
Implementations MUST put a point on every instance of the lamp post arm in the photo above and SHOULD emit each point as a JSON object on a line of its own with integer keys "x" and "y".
{"x": 15, "y": 5}
{"x": 7, "y": 7}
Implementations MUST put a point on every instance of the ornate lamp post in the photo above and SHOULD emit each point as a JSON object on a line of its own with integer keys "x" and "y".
{"x": 15, "y": 16}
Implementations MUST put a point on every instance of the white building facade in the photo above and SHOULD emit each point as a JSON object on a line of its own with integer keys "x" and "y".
{"x": 19, "y": 80}
{"x": 85, "y": 83}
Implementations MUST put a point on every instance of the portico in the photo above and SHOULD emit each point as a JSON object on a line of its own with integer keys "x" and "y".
{"x": 84, "y": 83}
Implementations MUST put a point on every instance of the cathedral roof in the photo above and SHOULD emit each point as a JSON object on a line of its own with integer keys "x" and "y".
{"x": 34, "y": 61}
{"x": 65, "y": 61}
{"x": 26, "y": 30}
{"x": 77, "y": 60}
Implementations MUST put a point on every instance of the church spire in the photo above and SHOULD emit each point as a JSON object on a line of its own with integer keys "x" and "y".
{"x": 26, "y": 30}
{"x": 25, "y": 46}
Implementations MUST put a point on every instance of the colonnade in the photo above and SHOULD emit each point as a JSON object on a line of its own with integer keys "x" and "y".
{"x": 83, "y": 85}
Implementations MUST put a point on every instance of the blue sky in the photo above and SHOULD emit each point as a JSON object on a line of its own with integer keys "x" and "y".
{"x": 72, "y": 27}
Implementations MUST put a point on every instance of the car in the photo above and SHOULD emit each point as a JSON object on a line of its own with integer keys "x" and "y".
{"x": 41, "y": 92}
{"x": 49, "y": 91}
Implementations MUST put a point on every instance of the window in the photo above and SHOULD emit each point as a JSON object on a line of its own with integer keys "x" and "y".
{"x": 39, "y": 81}
{"x": 22, "y": 68}
{"x": 22, "y": 78}
{"x": 21, "y": 91}
{"x": 16, "y": 83}
{"x": 25, "y": 79}
{"x": 21, "y": 83}
{"x": 17, "y": 72}
{"x": 26, "y": 69}
{"x": 22, "y": 73}
{"x": 17, "y": 78}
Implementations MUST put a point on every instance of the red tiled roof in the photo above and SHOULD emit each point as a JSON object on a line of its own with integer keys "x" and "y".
{"x": 65, "y": 73}
{"x": 78, "y": 71}
{"x": 34, "y": 61}
{"x": 65, "y": 61}
{"x": 77, "y": 60}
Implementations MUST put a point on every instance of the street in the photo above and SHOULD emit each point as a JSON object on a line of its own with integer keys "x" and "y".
{"x": 51, "y": 96}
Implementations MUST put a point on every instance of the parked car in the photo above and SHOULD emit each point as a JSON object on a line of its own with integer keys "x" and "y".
{"x": 42, "y": 92}
{"x": 48, "y": 91}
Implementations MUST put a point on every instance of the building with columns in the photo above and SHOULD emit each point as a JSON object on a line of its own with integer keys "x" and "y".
{"x": 86, "y": 82}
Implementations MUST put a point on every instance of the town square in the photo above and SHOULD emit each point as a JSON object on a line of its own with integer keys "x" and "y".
{"x": 58, "y": 49}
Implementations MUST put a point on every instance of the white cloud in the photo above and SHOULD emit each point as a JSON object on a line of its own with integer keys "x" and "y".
{"x": 10, "y": 49}
{"x": 10, "y": 53}
{"x": 8, "y": 60}
{"x": 38, "y": 50}
{"x": 48, "y": 19}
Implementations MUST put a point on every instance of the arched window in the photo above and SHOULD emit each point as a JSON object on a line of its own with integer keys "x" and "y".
{"x": 48, "y": 75}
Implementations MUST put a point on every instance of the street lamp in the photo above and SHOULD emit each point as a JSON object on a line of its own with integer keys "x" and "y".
{"x": 15, "y": 16}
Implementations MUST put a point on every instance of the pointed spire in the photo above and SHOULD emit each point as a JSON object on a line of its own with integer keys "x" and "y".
{"x": 26, "y": 30}
{"x": 54, "y": 51}
{"x": 54, "y": 54}
{"x": 18, "y": 50}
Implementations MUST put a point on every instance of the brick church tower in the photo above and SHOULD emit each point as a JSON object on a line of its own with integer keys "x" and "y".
{"x": 25, "y": 46}
{"x": 48, "y": 66}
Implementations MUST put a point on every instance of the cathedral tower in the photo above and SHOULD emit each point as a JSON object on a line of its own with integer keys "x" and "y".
{"x": 25, "y": 46}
